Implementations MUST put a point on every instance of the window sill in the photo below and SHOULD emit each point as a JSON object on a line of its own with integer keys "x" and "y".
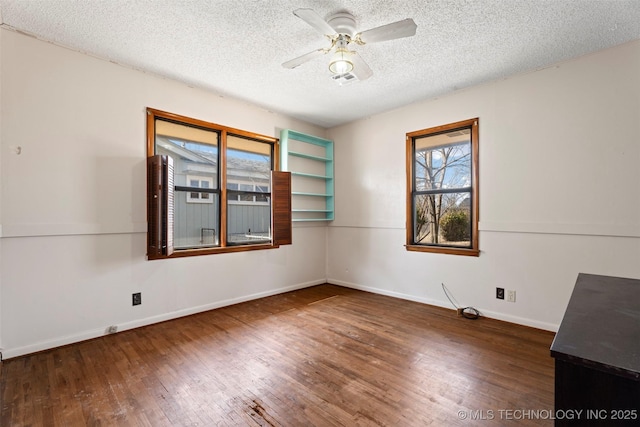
{"x": 443, "y": 250}
{"x": 180, "y": 253}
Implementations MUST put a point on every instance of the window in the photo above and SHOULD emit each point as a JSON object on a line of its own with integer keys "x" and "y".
{"x": 196, "y": 182}
{"x": 442, "y": 189}
{"x": 240, "y": 193}
{"x": 210, "y": 188}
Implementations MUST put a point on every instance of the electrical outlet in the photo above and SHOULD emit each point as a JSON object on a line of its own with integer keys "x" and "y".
{"x": 500, "y": 293}
{"x": 137, "y": 298}
{"x": 511, "y": 296}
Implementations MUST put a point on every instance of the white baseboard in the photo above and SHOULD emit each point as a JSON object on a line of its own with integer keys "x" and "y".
{"x": 486, "y": 313}
{"x": 8, "y": 353}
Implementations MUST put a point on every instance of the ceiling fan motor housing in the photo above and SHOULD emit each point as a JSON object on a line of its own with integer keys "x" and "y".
{"x": 343, "y": 23}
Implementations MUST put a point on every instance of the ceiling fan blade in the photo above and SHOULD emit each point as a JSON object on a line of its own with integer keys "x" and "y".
{"x": 396, "y": 30}
{"x": 304, "y": 58}
{"x": 315, "y": 20}
{"x": 360, "y": 68}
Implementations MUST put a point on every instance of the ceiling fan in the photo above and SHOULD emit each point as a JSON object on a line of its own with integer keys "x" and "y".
{"x": 340, "y": 29}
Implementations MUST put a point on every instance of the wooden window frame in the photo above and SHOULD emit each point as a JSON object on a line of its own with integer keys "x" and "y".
{"x": 474, "y": 250}
{"x": 281, "y": 231}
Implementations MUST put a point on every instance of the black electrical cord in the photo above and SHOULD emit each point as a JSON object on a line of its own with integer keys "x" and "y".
{"x": 466, "y": 312}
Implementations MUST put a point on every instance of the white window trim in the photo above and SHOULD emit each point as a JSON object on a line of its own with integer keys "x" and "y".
{"x": 253, "y": 202}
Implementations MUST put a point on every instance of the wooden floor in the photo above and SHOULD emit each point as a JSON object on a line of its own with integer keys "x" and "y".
{"x": 323, "y": 356}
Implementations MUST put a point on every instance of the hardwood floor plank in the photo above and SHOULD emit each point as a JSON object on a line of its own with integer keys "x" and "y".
{"x": 321, "y": 356}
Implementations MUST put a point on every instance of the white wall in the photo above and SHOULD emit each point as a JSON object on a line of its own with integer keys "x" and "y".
{"x": 559, "y": 151}
{"x": 1, "y": 150}
{"x": 559, "y": 190}
{"x": 73, "y": 202}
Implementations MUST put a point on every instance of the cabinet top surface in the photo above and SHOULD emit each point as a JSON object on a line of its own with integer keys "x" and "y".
{"x": 601, "y": 326}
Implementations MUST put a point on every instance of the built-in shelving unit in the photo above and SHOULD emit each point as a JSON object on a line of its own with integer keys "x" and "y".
{"x": 310, "y": 161}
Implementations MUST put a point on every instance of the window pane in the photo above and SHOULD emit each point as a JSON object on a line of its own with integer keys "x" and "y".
{"x": 443, "y": 161}
{"x": 442, "y": 219}
{"x": 195, "y": 158}
{"x": 249, "y": 165}
{"x": 195, "y": 224}
{"x": 249, "y": 223}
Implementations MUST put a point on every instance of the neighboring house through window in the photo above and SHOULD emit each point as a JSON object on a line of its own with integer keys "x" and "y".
{"x": 220, "y": 187}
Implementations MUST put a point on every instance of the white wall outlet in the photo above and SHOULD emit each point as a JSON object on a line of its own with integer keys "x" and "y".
{"x": 511, "y": 296}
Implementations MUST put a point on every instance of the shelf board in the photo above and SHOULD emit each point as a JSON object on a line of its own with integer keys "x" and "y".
{"x": 311, "y": 175}
{"x": 312, "y": 210}
{"x": 302, "y": 137}
{"x": 299, "y": 193}
{"x": 311, "y": 219}
{"x": 309, "y": 156}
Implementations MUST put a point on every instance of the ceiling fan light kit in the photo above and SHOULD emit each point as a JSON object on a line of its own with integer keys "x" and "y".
{"x": 346, "y": 65}
{"x": 340, "y": 62}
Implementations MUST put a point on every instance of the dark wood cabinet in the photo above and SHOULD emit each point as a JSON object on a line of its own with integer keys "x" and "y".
{"x": 597, "y": 354}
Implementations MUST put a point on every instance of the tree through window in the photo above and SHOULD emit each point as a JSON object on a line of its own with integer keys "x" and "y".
{"x": 442, "y": 189}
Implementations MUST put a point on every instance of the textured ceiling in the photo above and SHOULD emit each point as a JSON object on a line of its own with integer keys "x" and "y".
{"x": 236, "y": 48}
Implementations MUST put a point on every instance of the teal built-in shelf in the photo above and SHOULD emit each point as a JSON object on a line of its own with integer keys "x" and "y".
{"x": 310, "y": 161}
